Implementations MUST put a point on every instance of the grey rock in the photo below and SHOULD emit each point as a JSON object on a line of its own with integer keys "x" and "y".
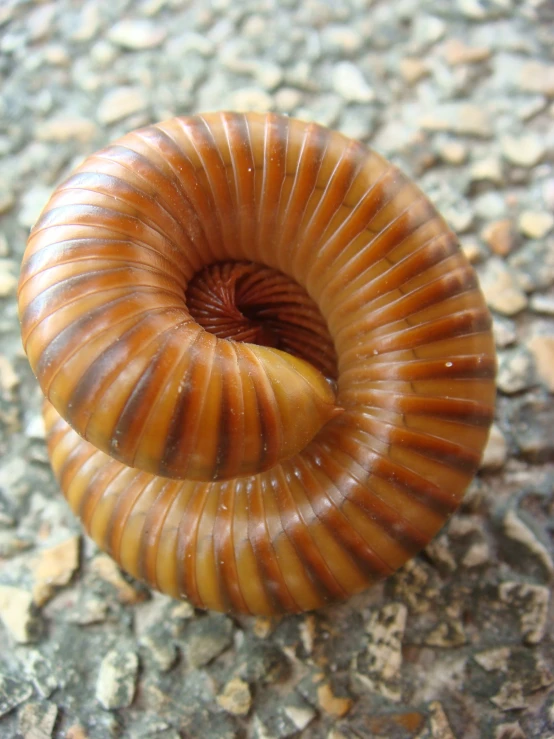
{"x": 116, "y": 682}
{"x": 533, "y": 265}
{"x": 531, "y": 603}
{"x": 280, "y": 718}
{"x": 12, "y": 693}
{"x": 349, "y": 82}
{"x": 120, "y": 103}
{"x": 32, "y": 203}
{"x": 37, "y": 720}
{"x": 500, "y": 288}
{"x": 516, "y": 370}
{"x": 504, "y": 331}
{"x": 136, "y": 34}
{"x": 523, "y": 151}
{"x": 459, "y": 118}
{"x": 40, "y": 672}
{"x": 206, "y": 639}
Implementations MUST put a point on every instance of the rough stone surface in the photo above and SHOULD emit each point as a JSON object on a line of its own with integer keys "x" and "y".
{"x": 458, "y": 644}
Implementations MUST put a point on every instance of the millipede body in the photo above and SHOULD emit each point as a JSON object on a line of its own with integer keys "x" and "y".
{"x": 268, "y": 366}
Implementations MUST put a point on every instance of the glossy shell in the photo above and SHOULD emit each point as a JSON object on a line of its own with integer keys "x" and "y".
{"x": 237, "y": 477}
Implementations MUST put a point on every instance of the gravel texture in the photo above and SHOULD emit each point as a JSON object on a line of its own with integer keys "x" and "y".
{"x": 459, "y": 644}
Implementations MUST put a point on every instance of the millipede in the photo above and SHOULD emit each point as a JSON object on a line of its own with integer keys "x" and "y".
{"x": 268, "y": 369}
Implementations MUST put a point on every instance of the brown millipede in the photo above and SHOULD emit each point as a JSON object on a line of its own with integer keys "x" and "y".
{"x": 269, "y": 367}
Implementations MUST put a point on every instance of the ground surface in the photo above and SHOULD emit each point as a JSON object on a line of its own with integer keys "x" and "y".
{"x": 459, "y": 644}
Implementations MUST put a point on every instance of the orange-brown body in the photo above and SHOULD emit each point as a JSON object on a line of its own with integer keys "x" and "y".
{"x": 277, "y": 341}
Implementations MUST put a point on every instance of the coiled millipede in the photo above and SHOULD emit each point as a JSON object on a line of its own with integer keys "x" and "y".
{"x": 269, "y": 368}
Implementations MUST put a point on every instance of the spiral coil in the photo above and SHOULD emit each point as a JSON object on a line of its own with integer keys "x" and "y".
{"x": 269, "y": 368}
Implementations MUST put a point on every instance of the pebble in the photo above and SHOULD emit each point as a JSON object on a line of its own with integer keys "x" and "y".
{"x": 456, "y": 52}
{"x": 136, "y": 34}
{"x": 379, "y": 668}
{"x": 87, "y": 23}
{"x": 120, "y": 103}
{"x": 106, "y": 569}
{"x": 206, "y": 639}
{"x": 542, "y": 349}
{"x": 37, "y": 720}
{"x": 427, "y": 30}
{"x": 287, "y": 99}
{"x": 523, "y": 151}
{"x": 496, "y": 451}
{"x": 348, "y": 82}
{"x": 55, "y": 568}
{"x": 333, "y": 705}
{"x": 515, "y": 529}
{"x": 533, "y": 265}
{"x": 8, "y": 280}
{"x": 413, "y": 69}
{"x": 33, "y": 201}
{"x": 461, "y": 118}
{"x": 341, "y": 39}
{"x": 500, "y": 288}
{"x": 516, "y": 371}
{"x": 12, "y": 693}
{"x": 7, "y": 199}
{"x": 490, "y": 206}
{"x": 452, "y": 152}
{"x": 40, "y": 672}
{"x": 235, "y": 697}
{"x": 535, "y": 224}
{"x": 116, "y": 682}
{"x": 16, "y": 611}
{"x": 487, "y": 170}
{"x": 500, "y": 236}
{"x": 531, "y": 603}
{"x": 66, "y": 127}
{"x": 542, "y": 304}
{"x": 253, "y": 99}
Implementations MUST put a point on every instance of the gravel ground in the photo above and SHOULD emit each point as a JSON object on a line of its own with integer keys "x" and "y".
{"x": 459, "y": 644}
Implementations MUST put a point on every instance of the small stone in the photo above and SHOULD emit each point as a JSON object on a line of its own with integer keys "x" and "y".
{"x": 37, "y": 720}
{"x": 33, "y": 201}
{"x": 107, "y": 570}
{"x": 87, "y": 23}
{"x": 413, "y": 70}
{"x": 453, "y": 152}
{"x": 332, "y": 704}
{"x": 523, "y": 151}
{"x": 235, "y": 698}
{"x": 490, "y": 205}
{"x": 534, "y": 76}
{"x": 55, "y": 568}
{"x": 325, "y": 110}
{"x": 471, "y": 249}
{"x": 542, "y": 349}
{"x": 500, "y": 288}
{"x": 500, "y": 236}
{"x": 16, "y": 611}
{"x": 301, "y": 716}
{"x": 40, "y": 672}
{"x": 341, "y": 38}
{"x": 427, "y": 30}
{"x": 287, "y": 99}
{"x": 515, "y": 371}
{"x": 487, "y": 170}
{"x": 8, "y": 281}
{"x": 136, "y": 34}
{"x": 348, "y": 82}
{"x": 515, "y": 529}
{"x": 207, "y": 638}
{"x": 535, "y": 224}
{"x": 477, "y": 555}
{"x": 12, "y": 693}
{"x": 531, "y": 603}
{"x": 493, "y": 660}
{"x": 115, "y": 685}
{"x": 533, "y": 265}
{"x": 8, "y": 376}
{"x": 268, "y": 74}
{"x": 7, "y": 199}
{"x": 496, "y": 451}
{"x": 35, "y": 427}
{"x": 542, "y": 304}
{"x": 461, "y": 118}
{"x": 456, "y": 52}
{"x": 161, "y": 650}
{"x": 509, "y": 731}
{"x": 379, "y": 669}
{"x": 120, "y": 103}
{"x": 65, "y": 128}
{"x": 440, "y": 727}
{"x": 249, "y": 99}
